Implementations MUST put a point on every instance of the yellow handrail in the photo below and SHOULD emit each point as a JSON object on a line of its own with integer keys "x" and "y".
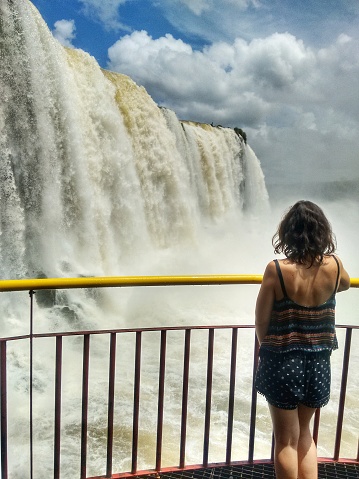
{"x": 113, "y": 281}
{"x": 123, "y": 281}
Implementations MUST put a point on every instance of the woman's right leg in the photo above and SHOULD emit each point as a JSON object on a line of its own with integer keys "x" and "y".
{"x": 295, "y": 454}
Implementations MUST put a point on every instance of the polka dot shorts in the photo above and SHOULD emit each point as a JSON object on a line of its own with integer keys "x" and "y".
{"x": 288, "y": 381}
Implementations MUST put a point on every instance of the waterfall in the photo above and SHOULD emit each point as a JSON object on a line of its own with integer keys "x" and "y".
{"x": 97, "y": 179}
{"x": 93, "y": 172}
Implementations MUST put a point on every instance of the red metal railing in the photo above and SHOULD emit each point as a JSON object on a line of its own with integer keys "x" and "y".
{"x": 136, "y": 404}
{"x": 183, "y": 378}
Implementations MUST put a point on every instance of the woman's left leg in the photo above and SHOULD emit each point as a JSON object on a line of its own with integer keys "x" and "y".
{"x": 307, "y": 451}
{"x": 286, "y": 429}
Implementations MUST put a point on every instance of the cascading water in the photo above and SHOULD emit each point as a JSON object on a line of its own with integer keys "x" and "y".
{"x": 96, "y": 179}
{"x": 92, "y": 168}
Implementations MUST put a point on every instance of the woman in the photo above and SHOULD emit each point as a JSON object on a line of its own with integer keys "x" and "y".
{"x": 295, "y": 326}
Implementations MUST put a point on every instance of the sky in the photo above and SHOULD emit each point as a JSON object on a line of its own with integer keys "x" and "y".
{"x": 285, "y": 71}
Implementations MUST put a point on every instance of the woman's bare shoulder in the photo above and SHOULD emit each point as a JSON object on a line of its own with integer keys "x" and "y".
{"x": 270, "y": 274}
{"x": 344, "y": 278}
{"x": 270, "y": 269}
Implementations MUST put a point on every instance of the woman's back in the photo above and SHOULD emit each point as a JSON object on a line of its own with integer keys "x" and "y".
{"x": 308, "y": 286}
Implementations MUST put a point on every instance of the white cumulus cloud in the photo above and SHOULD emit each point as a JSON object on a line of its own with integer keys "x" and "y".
{"x": 64, "y": 32}
{"x": 277, "y": 88}
{"x": 106, "y": 12}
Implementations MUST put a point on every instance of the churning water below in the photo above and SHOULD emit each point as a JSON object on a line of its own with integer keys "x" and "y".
{"x": 230, "y": 252}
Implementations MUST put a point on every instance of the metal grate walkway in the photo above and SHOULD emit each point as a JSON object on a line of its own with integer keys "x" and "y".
{"x": 265, "y": 471}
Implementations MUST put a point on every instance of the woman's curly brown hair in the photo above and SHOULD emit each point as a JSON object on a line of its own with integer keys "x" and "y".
{"x": 304, "y": 235}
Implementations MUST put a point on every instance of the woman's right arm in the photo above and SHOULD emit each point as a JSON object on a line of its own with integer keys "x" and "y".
{"x": 344, "y": 281}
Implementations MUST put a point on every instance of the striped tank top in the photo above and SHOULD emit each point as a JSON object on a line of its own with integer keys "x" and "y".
{"x": 294, "y": 327}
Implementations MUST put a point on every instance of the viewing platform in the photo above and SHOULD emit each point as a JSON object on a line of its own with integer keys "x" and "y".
{"x": 156, "y": 365}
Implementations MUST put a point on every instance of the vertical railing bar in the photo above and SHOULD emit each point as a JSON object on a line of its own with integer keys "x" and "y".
{"x": 111, "y": 403}
{"x": 207, "y": 421}
{"x": 31, "y": 293}
{"x": 161, "y": 388}
{"x": 252, "y": 428}
{"x": 343, "y": 387}
{"x": 316, "y": 426}
{"x": 232, "y": 386}
{"x": 3, "y": 401}
{"x": 85, "y": 396}
{"x": 187, "y": 349}
{"x": 136, "y": 402}
{"x": 58, "y": 373}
